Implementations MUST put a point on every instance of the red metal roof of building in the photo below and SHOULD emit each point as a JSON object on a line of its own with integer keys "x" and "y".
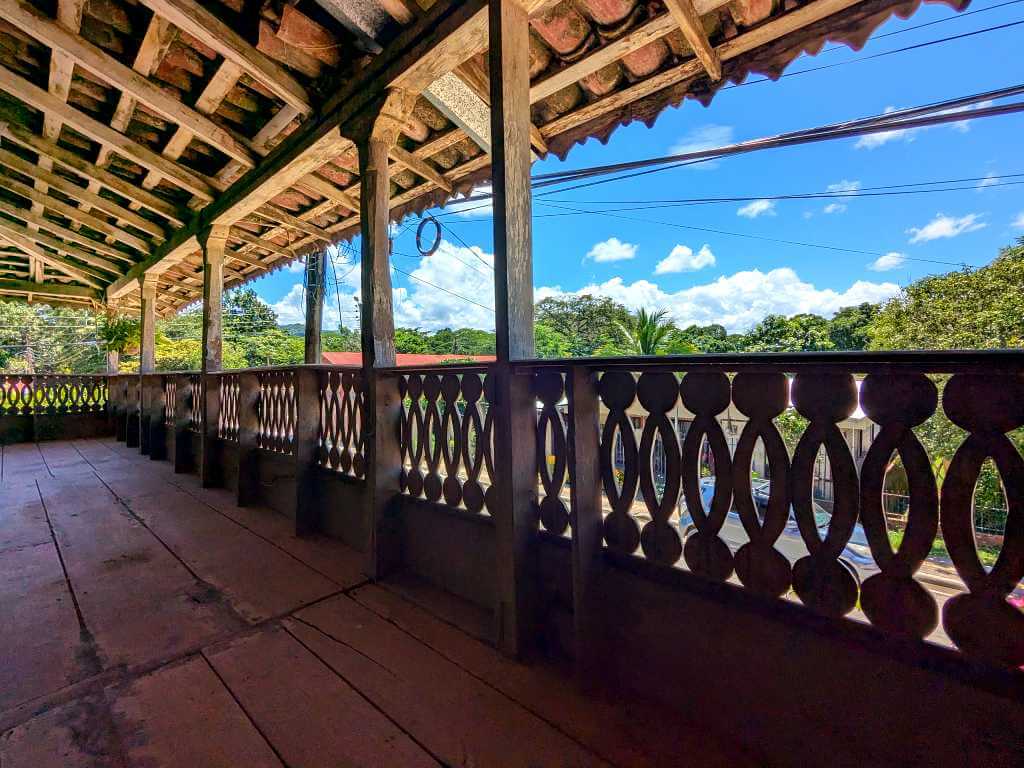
{"x": 402, "y": 358}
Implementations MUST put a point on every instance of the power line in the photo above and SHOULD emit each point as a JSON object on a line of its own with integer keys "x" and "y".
{"x": 445, "y": 290}
{"x": 744, "y": 235}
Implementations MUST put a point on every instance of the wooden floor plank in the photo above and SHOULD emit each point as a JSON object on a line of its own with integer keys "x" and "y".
{"x": 257, "y": 578}
{"x": 455, "y": 716}
{"x": 311, "y": 716}
{"x": 139, "y": 602}
{"x": 182, "y": 715}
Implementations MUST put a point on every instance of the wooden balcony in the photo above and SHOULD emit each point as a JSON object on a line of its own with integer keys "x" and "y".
{"x": 246, "y": 615}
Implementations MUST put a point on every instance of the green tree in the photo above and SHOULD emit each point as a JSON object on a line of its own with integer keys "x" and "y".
{"x": 967, "y": 309}
{"x": 645, "y": 333}
{"x": 247, "y": 313}
{"x": 412, "y": 341}
{"x": 799, "y": 333}
{"x": 551, "y": 344}
{"x": 587, "y": 323}
{"x": 706, "y": 338}
{"x": 850, "y": 327}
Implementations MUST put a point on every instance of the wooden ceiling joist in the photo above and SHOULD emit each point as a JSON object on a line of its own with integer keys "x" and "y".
{"x": 76, "y": 214}
{"x": 194, "y": 19}
{"x": 36, "y": 97}
{"x": 8, "y": 228}
{"x": 76, "y": 163}
{"x": 420, "y": 167}
{"x": 125, "y": 79}
{"x": 82, "y": 194}
{"x": 50, "y": 289}
{"x": 286, "y": 219}
{"x": 688, "y": 19}
{"x": 31, "y": 218}
{"x": 50, "y": 259}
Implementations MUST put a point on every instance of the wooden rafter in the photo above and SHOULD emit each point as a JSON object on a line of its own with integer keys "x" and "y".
{"x": 194, "y": 19}
{"x": 9, "y": 227}
{"x": 688, "y": 19}
{"x": 132, "y": 192}
{"x": 36, "y": 222}
{"x": 76, "y": 214}
{"x": 49, "y": 259}
{"x": 49, "y": 289}
{"x": 104, "y": 134}
{"x": 420, "y": 167}
{"x": 82, "y": 194}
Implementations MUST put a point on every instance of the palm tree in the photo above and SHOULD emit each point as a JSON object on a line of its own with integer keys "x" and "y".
{"x": 645, "y": 333}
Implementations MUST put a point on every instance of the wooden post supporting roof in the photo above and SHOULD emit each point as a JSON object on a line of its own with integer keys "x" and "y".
{"x": 515, "y": 485}
{"x": 375, "y": 135}
{"x": 147, "y": 325}
{"x": 214, "y": 244}
{"x": 316, "y": 274}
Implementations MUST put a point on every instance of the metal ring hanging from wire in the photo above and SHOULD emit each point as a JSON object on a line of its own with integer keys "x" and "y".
{"x": 436, "y": 243}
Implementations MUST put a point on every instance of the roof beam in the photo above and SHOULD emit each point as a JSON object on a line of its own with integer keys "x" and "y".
{"x": 36, "y": 97}
{"x": 82, "y": 194}
{"x": 125, "y": 79}
{"x": 82, "y": 166}
{"x": 193, "y": 18}
{"x": 76, "y": 214}
{"x": 158, "y": 38}
{"x": 420, "y": 167}
{"x": 49, "y": 259}
{"x": 327, "y": 190}
{"x": 688, "y": 19}
{"x": 291, "y": 221}
{"x": 812, "y": 12}
{"x": 9, "y": 227}
{"x": 32, "y": 218}
{"x": 50, "y": 289}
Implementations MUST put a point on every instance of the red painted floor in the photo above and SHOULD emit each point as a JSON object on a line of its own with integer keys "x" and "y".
{"x": 148, "y": 622}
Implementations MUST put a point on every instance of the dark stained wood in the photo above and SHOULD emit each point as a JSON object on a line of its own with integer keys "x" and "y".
{"x": 248, "y": 438}
{"x": 214, "y": 243}
{"x": 316, "y": 276}
{"x": 307, "y": 434}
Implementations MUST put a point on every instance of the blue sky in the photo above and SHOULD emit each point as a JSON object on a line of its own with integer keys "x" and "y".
{"x": 713, "y": 277}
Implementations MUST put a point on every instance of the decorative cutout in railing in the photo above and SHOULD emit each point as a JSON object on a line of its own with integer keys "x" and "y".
{"x": 341, "y": 422}
{"x": 170, "y": 398}
{"x": 784, "y": 515}
{"x": 446, "y": 437}
{"x": 552, "y": 451}
{"x": 227, "y": 420}
{"x": 52, "y": 394}
{"x": 277, "y": 411}
{"x": 196, "y": 402}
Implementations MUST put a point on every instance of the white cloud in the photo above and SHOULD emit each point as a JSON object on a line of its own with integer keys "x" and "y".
{"x": 612, "y": 249}
{"x": 737, "y": 301}
{"x": 834, "y": 208}
{"x": 945, "y": 226}
{"x": 479, "y": 208}
{"x": 875, "y": 140}
{"x": 458, "y": 273}
{"x": 757, "y": 208}
{"x": 683, "y": 259}
{"x": 1019, "y": 221}
{"x": 298, "y": 266}
{"x": 702, "y": 138}
{"x": 843, "y": 186}
{"x": 988, "y": 181}
{"x": 892, "y": 260}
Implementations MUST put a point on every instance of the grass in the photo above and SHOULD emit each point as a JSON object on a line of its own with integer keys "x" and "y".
{"x": 987, "y": 555}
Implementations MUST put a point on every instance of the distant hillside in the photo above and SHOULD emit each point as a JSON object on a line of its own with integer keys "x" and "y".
{"x": 294, "y": 329}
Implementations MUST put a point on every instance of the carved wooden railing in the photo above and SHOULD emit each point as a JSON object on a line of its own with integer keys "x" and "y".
{"x": 446, "y": 436}
{"x": 170, "y": 384}
{"x": 342, "y": 403}
{"x": 227, "y": 418}
{"x": 277, "y": 411}
{"x": 981, "y": 394}
{"x": 52, "y": 394}
{"x": 196, "y": 401}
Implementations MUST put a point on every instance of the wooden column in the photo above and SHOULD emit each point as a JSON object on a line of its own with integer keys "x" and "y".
{"x": 515, "y": 410}
{"x": 183, "y": 394}
{"x": 374, "y": 134}
{"x": 113, "y": 357}
{"x": 584, "y": 461}
{"x": 316, "y": 274}
{"x": 307, "y": 433}
{"x": 147, "y": 357}
{"x": 214, "y": 243}
{"x": 248, "y": 430}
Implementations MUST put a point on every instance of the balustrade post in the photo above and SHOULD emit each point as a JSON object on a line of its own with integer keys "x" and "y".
{"x": 584, "y": 439}
{"x": 157, "y": 420}
{"x": 115, "y": 390}
{"x": 375, "y": 133}
{"x": 214, "y": 244}
{"x": 514, "y": 405}
{"x": 131, "y": 429}
{"x": 145, "y": 407}
{"x": 248, "y": 438}
{"x": 183, "y": 394}
{"x": 307, "y": 435}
